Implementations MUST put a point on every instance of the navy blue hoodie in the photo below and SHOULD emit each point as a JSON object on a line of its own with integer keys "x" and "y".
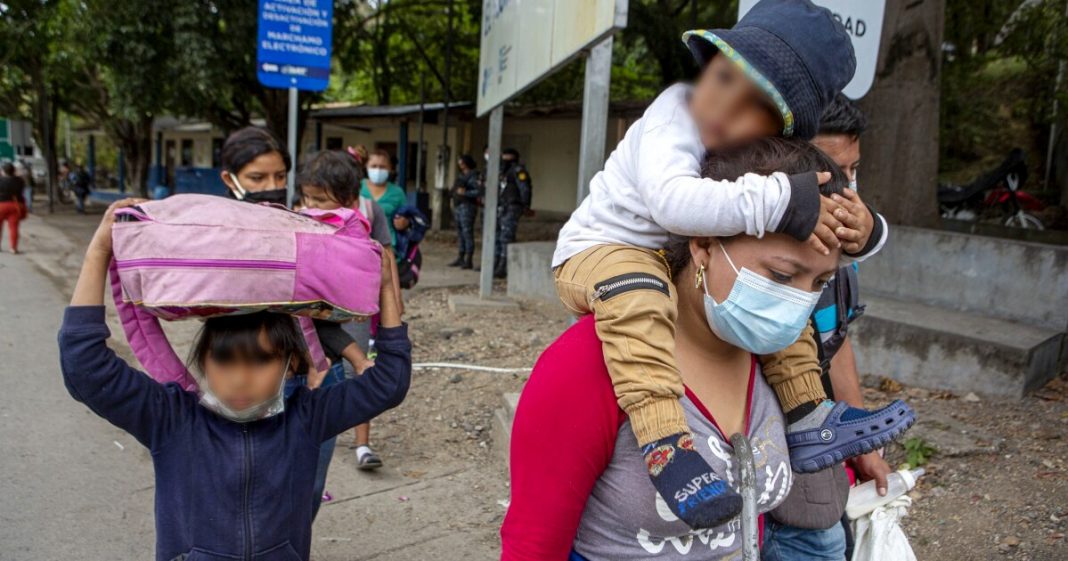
{"x": 225, "y": 490}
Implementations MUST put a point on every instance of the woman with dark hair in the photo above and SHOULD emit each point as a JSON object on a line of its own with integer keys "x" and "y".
{"x": 12, "y": 204}
{"x": 465, "y": 194}
{"x": 254, "y": 166}
{"x": 596, "y": 501}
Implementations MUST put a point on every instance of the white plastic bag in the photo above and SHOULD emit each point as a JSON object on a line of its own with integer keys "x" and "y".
{"x": 878, "y": 535}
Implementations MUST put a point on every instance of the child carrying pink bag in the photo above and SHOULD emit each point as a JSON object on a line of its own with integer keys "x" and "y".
{"x": 199, "y": 256}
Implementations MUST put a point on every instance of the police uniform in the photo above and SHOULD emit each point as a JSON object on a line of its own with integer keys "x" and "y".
{"x": 513, "y": 201}
{"x": 464, "y": 209}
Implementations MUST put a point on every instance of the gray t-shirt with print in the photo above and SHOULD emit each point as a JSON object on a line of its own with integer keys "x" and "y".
{"x": 626, "y": 519}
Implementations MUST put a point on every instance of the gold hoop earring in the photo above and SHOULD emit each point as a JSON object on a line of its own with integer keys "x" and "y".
{"x": 699, "y": 278}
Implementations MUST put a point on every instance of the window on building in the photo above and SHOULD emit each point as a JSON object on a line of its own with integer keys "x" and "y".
{"x": 216, "y": 152}
{"x": 187, "y": 152}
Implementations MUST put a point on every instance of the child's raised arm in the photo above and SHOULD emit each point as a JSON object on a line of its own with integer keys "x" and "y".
{"x": 330, "y": 411}
{"x": 92, "y": 372}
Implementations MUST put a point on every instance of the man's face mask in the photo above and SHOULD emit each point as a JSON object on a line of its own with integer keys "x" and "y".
{"x": 274, "y": 405}
{"x": 759, "y": 315}
{"x": 276, "y": 196}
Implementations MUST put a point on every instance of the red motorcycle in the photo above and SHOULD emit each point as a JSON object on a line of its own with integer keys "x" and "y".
{"x": 994, "y": 195}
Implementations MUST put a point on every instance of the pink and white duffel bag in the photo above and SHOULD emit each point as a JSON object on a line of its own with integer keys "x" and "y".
{"x": 196, "y": 256}
{"x": 201, "y": 256}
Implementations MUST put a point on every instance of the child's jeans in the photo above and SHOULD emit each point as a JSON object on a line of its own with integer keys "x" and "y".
{"x": 326, "y": 449}
{"x": 786, "y": 543}
{"x": 635, "y": 321}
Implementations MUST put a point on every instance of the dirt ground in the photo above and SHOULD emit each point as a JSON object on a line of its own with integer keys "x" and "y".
{"x": 997, "y": 483}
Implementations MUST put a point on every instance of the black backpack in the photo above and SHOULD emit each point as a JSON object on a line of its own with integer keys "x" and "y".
{"x": 408, "y": 267}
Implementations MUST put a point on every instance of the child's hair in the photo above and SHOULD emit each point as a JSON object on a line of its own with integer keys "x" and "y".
{"x": 842, "y": 116}
{"x": 228, "y": 339}
{"x": 763, "y": 156}
{"x": 333, "y": 171}
{"x": 249, "y": 143}
{"x": 381, "y": 154}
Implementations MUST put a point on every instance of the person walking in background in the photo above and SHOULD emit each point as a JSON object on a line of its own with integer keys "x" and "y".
{"x": 79, "y": 183}
{"x": 514, "y": 201}
{"x": 24, "y": 171}
{"x": 11, "y": 204}
{"x": 379, "y": 188}
{"x": 465, "y": 194}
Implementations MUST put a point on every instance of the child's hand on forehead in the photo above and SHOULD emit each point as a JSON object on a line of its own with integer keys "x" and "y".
{"x": 844, "y": 222}
{"x": 857, "y": 221}
{"x": 823, "y": 238}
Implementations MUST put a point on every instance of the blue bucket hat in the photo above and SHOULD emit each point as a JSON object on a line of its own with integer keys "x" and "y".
{"x": 796, "y": 52}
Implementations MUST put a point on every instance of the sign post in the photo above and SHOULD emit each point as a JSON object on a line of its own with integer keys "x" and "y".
{"x": 489, "y": 213}
{"x": 293, "y": 43}
{"x": 863, "y": 21}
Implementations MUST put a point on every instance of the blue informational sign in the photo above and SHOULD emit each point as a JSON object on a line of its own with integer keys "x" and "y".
{"x": 293, "y": 43}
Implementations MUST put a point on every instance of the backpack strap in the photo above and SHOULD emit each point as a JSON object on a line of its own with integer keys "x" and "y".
{"x": 315, "y": 347}
{"x": 367, "y": 209}
{"x": 148, "y": 341}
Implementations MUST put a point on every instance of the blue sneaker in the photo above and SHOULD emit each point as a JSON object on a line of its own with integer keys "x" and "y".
{"x": 835, "y": 432}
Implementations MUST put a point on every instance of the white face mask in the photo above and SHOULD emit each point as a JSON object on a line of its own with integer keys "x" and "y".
{"x": 378, "y": 176}
{"x": 274, "y": 405}
{"x": 759, "y": 315}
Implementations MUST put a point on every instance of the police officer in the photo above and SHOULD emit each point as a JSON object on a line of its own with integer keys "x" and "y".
{"x": 465, "y": 194}
{"x": 513, "y": 202}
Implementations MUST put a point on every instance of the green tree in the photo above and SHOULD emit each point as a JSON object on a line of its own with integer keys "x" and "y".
{"x": 125, "y": 54}
{"x": 216, "y": 65}
{"x": 32, "y": 84}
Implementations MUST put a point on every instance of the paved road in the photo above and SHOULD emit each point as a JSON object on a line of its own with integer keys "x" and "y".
{"x": 72, "y": 485}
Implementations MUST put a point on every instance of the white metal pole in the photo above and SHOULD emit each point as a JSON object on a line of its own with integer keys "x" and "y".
{"x": 595, "y": 97}
{"x": 489, "y": 211}
{"x": 291, "y": 185}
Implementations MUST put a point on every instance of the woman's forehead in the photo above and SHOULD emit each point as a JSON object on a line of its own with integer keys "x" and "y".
{"x": 785, "y": 250}
{"x": 270, "y": 162}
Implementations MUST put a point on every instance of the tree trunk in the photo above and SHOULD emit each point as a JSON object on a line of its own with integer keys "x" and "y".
{"x": 900, "y": 173}
{"x": 135, "y": 140}
{"x": 44, "y": 127}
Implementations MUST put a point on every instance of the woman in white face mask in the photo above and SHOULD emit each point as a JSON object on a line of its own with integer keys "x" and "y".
{"x": 737, "y": 297}
{"x": 378, "y": 187}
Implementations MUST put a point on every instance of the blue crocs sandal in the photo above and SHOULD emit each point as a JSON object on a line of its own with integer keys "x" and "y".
{"x": 847, "y": 432}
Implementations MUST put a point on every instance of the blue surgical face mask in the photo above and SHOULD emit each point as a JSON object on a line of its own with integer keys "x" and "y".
{"x": 378, "y": 176}
{"x": 759, "y": 315}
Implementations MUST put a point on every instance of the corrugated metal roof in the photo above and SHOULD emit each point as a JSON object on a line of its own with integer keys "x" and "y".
{"x": 382, "y": 110}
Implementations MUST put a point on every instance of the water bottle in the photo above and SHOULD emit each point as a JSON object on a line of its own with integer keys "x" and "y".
{"x": 865, "y": 498}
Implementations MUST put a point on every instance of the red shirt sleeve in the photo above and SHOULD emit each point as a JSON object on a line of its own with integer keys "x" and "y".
{"x": 563, "y": 438}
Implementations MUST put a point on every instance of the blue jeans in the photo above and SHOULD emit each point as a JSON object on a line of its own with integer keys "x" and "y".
{"x": 787, "y": 543}
{"x": 27, "y": 195}
{"x": 326, "y": 449}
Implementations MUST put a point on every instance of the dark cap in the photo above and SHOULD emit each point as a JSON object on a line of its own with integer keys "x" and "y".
{"x": 796, "y": 52}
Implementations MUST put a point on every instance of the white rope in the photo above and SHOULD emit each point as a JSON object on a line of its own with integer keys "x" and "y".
{"x": 428, "y": 365}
